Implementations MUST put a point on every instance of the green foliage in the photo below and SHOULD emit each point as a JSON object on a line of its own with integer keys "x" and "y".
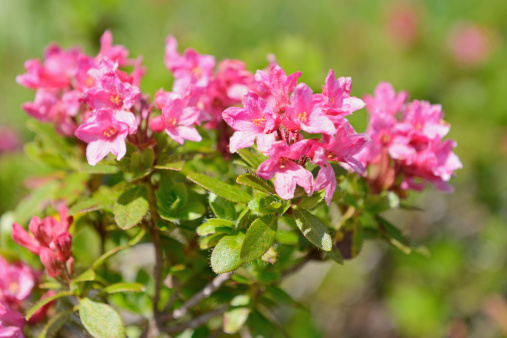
{"x": 100, "y": 320}
{"x": 44, "y": 301}
{"x": 226, "y": 255}
{"x": 259, "y": 238}
{"x": 313, "y": 229}
{"x": 221, "y": 189}
{"x": 131, "y": 207}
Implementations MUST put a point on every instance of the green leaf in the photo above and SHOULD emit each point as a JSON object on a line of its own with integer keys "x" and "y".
{"x": 189, "y": 212}
{"x": 335, "y": 255}
{"x": 33, "y": 203}
{"x": 100, "y": 320}
{"x": 394, "y": 235}
{"x": 124, "y": 287}
{"x": 102, "y": 259}
{"x": 255, "y": 182}
{"x": 259, "y": 238}
{"x": 226, "y": 255}
{"x": 210, "y": 241}
{"x": 237, "y": 315}
{"x": 313, "y": 229}
{"x": 131, "y": 207}
{"x": 100, "y": 169}
{"x": 39, "y": 304}
{"x": 349, "y": 240}
{"x": 251, "y": 156}
{"x": 311, "y": 202}
{"x": 170, "y": 196}
{"x": 215, "y": 225}
{"x": 176, "y": 166}
{"x": 221, "y": 207}
{"x": 280, "y": 296}
{"x": 105, "y": 197}
{"x": 55, "y": 323}
{"x": 287, "y": 237}
{"x": 221, "y": 189}
{"x": 148, "y": 158}
{"x": 88, "y": 275}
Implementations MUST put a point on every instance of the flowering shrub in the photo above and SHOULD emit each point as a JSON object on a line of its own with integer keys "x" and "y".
{"x": 255, "y": 168}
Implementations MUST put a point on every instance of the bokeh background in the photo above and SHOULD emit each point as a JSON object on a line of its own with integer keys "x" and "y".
{"x": 451, "y": 52}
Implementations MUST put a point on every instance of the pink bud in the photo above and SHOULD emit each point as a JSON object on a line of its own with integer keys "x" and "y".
{"x": 63, "y": 245}
{"x": 65, "y": 219}
{"x": 21, "y": 237}
{"x": 48, "y": 259}
{"x": 70, "y": 266}
{"x": 157, "y": 124}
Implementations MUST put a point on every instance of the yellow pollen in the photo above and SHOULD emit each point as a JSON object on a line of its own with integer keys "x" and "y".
{"x": 302, "y": 117}
{"x": 197, "y": 72}
{"x": 110, "y": 131}
{"x": 171, "y": 121}
{"x": 418, "y": 126}
{"x": 259, "y": 122}
{"x": 385, "y": 138}
{"x": 89, "y": 81}
{"x": 331, "y": 100}
{"x": 115, "y": 99}
{"x": 14, "y": 288}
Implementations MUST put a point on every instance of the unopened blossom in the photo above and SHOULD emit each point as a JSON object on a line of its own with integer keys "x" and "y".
{"x": 49, "y": 239}
{"x": 191, "y": 67}
{"x": 56, "y": 71}
{"x": 288, "y": 173}
{"x": 177, "y": 120}
{"x": 113, "y": 88}
{"x": 254, "y": 121}
{"x": 105, "y": 132}
{"x": 11, "y": 322}
{"x": 302, "y": 114}
{"x": 385, "y": 100}
{"x": 16, "y": 283}
{"x": 279, "y": 85}
{"x": 335, "y": 98}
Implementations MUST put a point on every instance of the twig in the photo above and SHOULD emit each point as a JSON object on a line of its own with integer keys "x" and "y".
{"x": 204, "y": 293}
{"x": 196, "y": 322}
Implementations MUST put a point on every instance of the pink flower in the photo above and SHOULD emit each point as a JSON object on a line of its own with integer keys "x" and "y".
{"x": 11, "y": 322}
{"x": 469, "y": 44}
{"x": 191, "y": 67}
{"x": 302, "y": 115}
{"x": 255, "y": 121}
{"x": 113, "y": 89}
{"x": 116, "y": 53}
{"x": 177, "y": 120}
{"x": 426, "y": 120}
{"x": 326, "y": 178}
{"x": 335, "y": 98}
{"x": 385, "y": 101}
{"x": 288, "y": 173}
{"x": 56, "y": 71}
{"x": 16, "y": 283}
{"x": 279, "y": 85}
{"x": 51, "y": 240}
{"x": 9, "y": 139}
{"x": 105, "y": 132}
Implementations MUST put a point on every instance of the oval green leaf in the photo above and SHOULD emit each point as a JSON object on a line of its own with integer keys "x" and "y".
{"x": 131, "y": 207}
{"x": 313, "y": 229}
{"x": 100, "y": 320}
{"x": 259, "y": 238}
{"x": 255, "y": 182}
{"x": 226, "y": 255}
{"x": 221, "y": 189}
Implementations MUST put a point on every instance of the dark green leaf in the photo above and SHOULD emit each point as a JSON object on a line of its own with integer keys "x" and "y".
{"x": 131, "y": 207}
{"x": 221, "y": 189}
{"x": 255, "y": 182}
{"x": 226, "y": 255}
{"x": 313, "y": 229}
{"x": 39, "y": 304}
{"x": 309, "y": 203}
{"x": 259, "y": 238}
{"x": 100, "y": 320}
{"x": 210, "y": 241}
{"x": 394, "y": 235}
{"x": 349, "y": 239}
{"x": 221, "y": 207}
{"x": 215, "y": 225}
{"x": 335, "y": 255}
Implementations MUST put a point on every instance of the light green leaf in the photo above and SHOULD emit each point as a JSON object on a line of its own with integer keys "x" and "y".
{"x": 313, "y": 229}
{"x": 55, "y": 323}
{"x": 251, "y": 156}
{"x": 131, "y": 207}
{"x": 259, "y": 238}
{"x": 215, "y": 225}
{"x": 255, "y": 182}
{"x": 221, "y": 189}
{"x": 176, "y": 166}
{"x": 100, "y": 320}
{"x": 39, "y": 304}
{"x": 226, "y": 255}
{"x": 237, "y": 315}
{"x": 210, "y": 241}
{"x": 88, "y": 275}
{"x": 221, "y": 207}
{"x": 311, "y": 202}
{"x": 100, "y": 169}
{"x": 124, "y": 287}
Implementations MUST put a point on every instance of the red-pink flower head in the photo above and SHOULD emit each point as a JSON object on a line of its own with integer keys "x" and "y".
{"x": 254, "y": 121}
{"x": 335, "y": 98}
{"x": 279, "y": 85}
{"x": 288, "y": 173}
{"x": 17, "y": 281}
{"x": 105, "y": 132}
{"x": 191, "y": 67}
{"x": 426, "y": 121}
{"x": 115, "y": 53}
{"x": 385, "y": 101}
{"x": 177, "y": 120}
{"x": 58, "y": 69}
{"x": 113, "y": 90}
{"x": 11, "y": 322}
{"x": 303, "y": 115}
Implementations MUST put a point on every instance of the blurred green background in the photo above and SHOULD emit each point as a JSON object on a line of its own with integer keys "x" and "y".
{"x": 450, "y": 52}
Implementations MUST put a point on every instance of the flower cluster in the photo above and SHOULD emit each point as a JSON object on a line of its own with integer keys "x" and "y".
{"x": 277, "y": 120}
{"x": 51, "y": 240}
{"x": 407, "y": 150}
{"x": 77, "y": 92}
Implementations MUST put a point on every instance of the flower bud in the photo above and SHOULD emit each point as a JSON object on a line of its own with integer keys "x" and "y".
{"x": 48, "y": 259}
{"x": 70, "y": 266}
{"x": 63, "y": 246}
{"x": 21, "y": 237}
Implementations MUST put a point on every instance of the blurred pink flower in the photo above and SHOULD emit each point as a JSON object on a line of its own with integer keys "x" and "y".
{"x": 16, "y": 282}
{"x": 469, "y": 44}
{"x": 278, "y": 84}
{"x": 11, "y": 322}
{"x": 9, "y": 139}
{"x": 115, "y": 53}
{"x": 403, "y": 22}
